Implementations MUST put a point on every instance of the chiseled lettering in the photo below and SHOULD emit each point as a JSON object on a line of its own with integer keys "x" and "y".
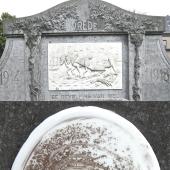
{"x": 85, "y": 25}
{"x": 159, "y": 75}
{"x": 79, "y": 25}
{"x": 16, "y": 77}
{"x": 4, "y": 77}
{"x": 90, "y": 25}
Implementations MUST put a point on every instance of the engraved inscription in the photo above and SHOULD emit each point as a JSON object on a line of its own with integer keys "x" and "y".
{"x": 85, "y": 26}
{"x": 84, "y": 96}
{"x": 76, "y": 66}
{"x": 158, "y": 75}
{"x": 16, "y": 77}
{"x": 4, "y": 77}
{"x": 76, "y": 97}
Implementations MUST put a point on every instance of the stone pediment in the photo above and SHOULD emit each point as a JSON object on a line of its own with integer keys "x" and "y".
{"x": 85, "y": 16}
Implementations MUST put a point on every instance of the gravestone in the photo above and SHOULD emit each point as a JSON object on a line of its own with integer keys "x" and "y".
{"x": 86, "y": 138}
{"x": 85, "y": 50}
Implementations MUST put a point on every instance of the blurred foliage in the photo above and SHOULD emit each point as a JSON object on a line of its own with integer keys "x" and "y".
{"x": 4, "y": 16}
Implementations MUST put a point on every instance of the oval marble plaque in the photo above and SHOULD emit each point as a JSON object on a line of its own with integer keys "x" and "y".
{"x": 88, "y": 138}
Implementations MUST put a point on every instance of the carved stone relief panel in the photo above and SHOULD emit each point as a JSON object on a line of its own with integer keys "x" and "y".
{"x": 88, "y": 68}
{"x": 86, "y": 138}
{"x": 76, "y": 66}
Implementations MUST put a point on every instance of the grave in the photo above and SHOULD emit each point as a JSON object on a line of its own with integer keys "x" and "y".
{"x": 85, "y": 50}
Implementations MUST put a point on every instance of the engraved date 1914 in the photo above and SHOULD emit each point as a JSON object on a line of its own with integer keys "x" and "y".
{"x": 5, "y": 77}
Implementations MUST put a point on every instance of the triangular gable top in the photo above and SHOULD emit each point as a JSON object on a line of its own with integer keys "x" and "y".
{"x": 85, "y": 16}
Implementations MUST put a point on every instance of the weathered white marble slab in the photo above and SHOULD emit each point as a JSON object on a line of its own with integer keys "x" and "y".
{"x": 78, "y": 66}
{"x": 86, "y": 138}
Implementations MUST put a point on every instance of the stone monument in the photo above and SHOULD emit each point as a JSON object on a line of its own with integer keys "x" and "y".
{"x": 85, "y": 50}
